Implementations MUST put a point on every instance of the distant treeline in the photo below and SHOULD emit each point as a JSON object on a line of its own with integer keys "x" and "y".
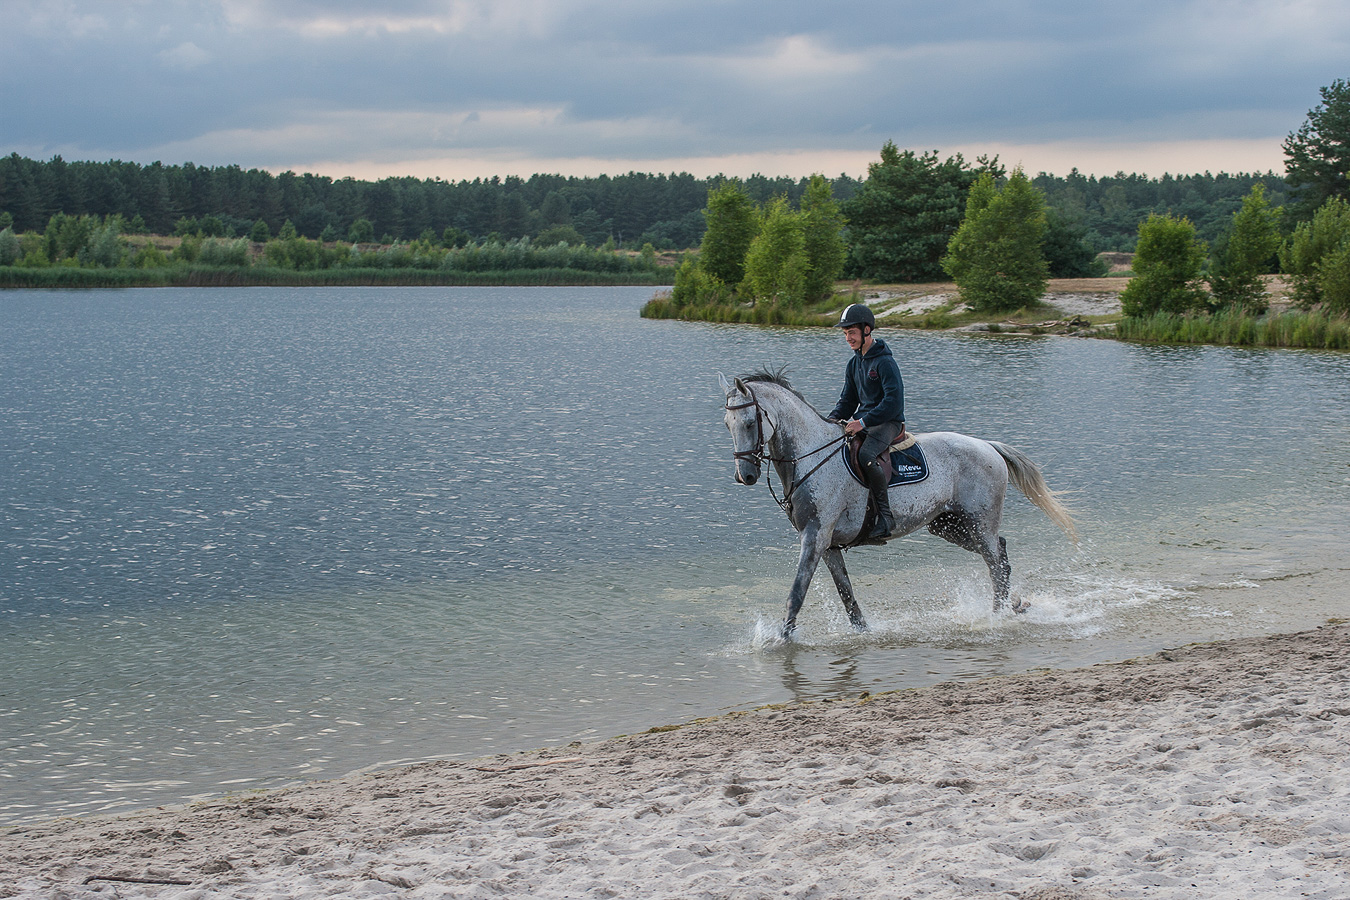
{"x": 1110, "y": 209}
{"x": 630, "y": 210}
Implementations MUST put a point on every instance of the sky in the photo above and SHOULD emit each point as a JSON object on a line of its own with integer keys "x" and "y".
{"x": 463, "y": 89}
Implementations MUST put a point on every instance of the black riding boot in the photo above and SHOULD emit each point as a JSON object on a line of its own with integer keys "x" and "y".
{"x": 877, "y": 484}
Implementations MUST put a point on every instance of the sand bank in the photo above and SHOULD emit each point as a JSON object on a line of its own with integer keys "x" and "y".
{"x": 1216, "y": 770}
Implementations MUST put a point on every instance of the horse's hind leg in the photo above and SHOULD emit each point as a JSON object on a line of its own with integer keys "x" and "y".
{"x": 966, "y": 533}
{"x": 834, "y": 561}
{"x": 1000, "y": 570}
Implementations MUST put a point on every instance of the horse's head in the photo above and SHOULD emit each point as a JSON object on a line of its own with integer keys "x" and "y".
{"x": 745, "y": 421}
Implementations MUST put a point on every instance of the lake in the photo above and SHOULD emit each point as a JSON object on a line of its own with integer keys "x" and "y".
{"x": 255, "y": 536}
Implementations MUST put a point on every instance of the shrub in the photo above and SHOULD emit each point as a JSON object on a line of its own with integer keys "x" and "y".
{"x": 219, "y": 252}
{"x": 695, "y": 287}
{"x": 150, "y": 257}
{"x": 188, "y": 249}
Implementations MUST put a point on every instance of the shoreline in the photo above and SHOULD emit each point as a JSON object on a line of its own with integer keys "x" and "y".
{"x": 1210, "y": 770}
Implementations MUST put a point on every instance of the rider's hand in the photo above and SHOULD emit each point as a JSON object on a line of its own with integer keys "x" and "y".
{"x": 853, "y": 427}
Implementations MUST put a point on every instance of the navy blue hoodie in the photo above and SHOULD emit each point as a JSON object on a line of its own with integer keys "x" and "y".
{"x": 873, "y": 391}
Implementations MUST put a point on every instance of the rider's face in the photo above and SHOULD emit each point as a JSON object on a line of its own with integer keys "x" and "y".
{"x": 854, "y": 335}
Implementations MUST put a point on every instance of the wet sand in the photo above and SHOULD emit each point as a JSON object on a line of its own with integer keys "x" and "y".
{"x": 1213, "y": 770}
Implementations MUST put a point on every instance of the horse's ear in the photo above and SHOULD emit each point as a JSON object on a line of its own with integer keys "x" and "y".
{"x": 740, "y": 386}
{"x": 726, "y": 385}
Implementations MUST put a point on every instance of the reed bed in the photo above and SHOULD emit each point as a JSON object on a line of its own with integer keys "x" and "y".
{"x": 1311, "y": 330}
{"x": 662, "y": 307}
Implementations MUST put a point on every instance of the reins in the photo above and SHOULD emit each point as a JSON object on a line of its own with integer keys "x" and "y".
{"x": 760, "y": 454}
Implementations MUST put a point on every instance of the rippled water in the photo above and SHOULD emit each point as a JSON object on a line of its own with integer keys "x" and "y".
{"x": 259, "y": 535}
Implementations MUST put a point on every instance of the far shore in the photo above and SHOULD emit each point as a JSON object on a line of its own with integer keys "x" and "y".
{"x": 225, "y": 276}
{"x": 1206, "y": 771}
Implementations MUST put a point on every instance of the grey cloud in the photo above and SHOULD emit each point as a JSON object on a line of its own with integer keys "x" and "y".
{"x": 655, "y": 80}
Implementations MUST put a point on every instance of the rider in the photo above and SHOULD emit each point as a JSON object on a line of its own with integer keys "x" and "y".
{"x": 873, "y": 401}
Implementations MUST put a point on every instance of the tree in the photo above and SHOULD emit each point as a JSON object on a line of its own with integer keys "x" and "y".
{"x": 776, "y": 262}
{"x": 67, "y": 236}
{"x": 1334, "y": 280}
{"x": 1167, "y": 268}
{"x": 1313, "y": 249}
{"x": 453, "y": 237}
{"x": 361, "y": 232}
{"x": 732, "y": 224}
{"x": 260, "y": 233}
{"x": 822, "y": 232}
{"x": 559, "y": 234}
{"x": 10, "y": 250}
{"x": 996, "y": 255}
{"x": 905, "y": 213}
{"x": 105, "y": 245}
{"x": 1317, "y": 155}
{"x": 1245, "y": 254}
{"x": 512, "y": 217}
{"x": 1067, "y": 251}
{"x": 555, "y": 210}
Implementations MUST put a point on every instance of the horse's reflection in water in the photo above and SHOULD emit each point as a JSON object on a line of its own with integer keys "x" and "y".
{"x": 961, "y": 501}
{"x": 841, "y": 681}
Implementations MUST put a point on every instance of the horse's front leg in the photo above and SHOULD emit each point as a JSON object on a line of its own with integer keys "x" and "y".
{"x": 806, "y": 568}
{"x": 834, "y": 559}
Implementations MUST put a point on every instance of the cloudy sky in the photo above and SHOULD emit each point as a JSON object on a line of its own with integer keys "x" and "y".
{"x": 467, "y": 88}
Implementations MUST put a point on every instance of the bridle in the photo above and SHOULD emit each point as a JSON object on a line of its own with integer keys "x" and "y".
{"x": 760, "y": 454}
{"x": 757, "y": 455}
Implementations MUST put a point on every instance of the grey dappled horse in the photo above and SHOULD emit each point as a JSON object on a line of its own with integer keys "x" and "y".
{"x": 961, "y": 501}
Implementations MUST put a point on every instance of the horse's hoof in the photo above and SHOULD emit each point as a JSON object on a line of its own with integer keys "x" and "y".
{"x": 1021, "y": 607}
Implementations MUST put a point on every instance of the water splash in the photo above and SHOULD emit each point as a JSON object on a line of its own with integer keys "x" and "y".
{"x": 956, "y": 609}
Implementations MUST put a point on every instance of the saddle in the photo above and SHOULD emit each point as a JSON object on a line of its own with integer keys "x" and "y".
{"x": 904, "y": 464}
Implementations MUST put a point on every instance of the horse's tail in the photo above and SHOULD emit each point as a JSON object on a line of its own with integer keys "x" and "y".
{"x": 1027, "y": 477}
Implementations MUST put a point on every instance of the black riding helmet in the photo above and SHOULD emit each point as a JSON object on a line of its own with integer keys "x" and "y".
{"x": 857, "y": 314}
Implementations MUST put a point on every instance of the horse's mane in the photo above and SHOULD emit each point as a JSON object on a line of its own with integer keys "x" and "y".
{"x": 773, "y": 376}
{"x": 779, "y": 377}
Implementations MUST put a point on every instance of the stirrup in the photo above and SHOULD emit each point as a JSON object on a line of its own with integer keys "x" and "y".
{"x": 883, "y": 527}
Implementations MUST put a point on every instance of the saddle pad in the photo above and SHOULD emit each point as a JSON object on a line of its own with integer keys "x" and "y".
{"x": 907, "y": 462}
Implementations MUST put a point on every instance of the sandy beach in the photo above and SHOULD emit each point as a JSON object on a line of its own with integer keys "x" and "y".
{"x": 1213, "y": 770}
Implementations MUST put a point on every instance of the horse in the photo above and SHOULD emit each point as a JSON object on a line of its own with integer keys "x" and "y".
{"x": 961, "y": 500}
